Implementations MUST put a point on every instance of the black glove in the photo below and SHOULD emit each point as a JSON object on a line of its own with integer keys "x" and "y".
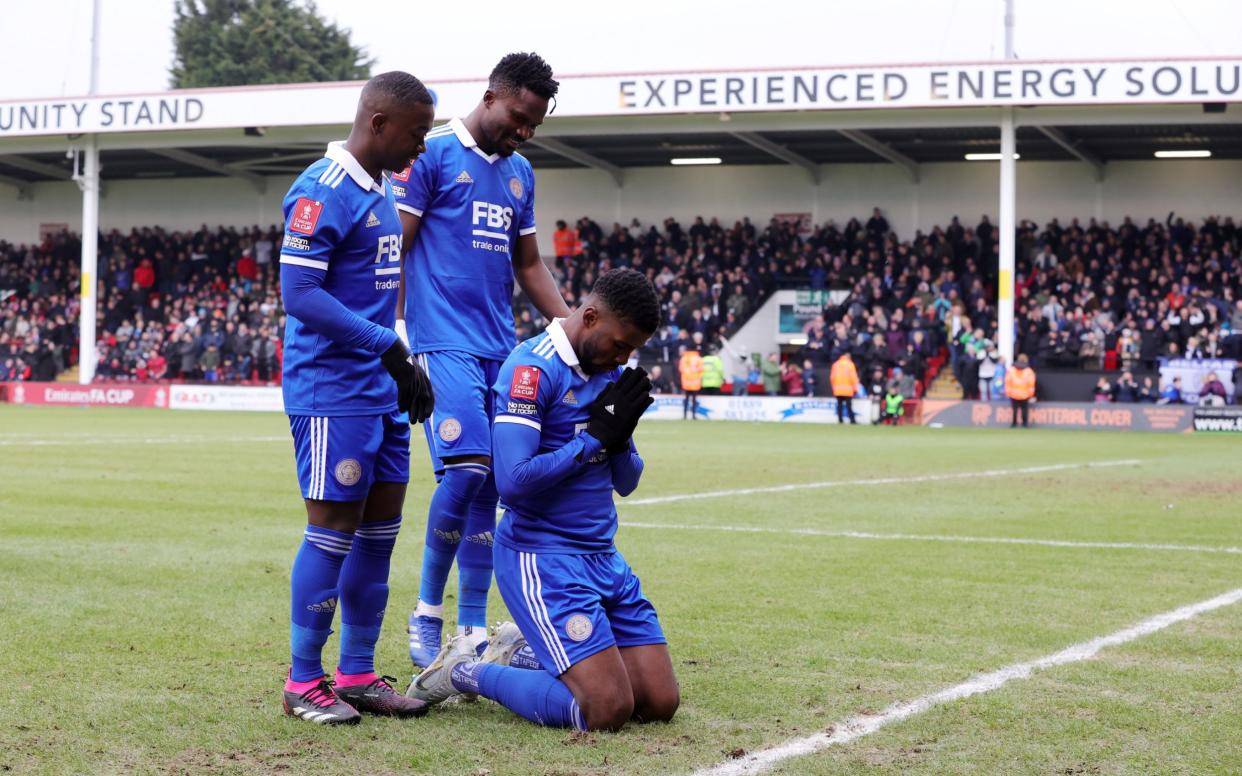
{"x": 617, "y": 409}
{"x": 606, "y": 423}
{"x": 634, "y": 390}
{"x": 414, "y": 394}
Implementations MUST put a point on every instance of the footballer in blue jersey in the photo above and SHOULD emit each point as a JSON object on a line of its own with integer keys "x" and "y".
{"x": 468, "y": 213}
{"x": 565, "y": 415}
{"x": 347, "y": 380}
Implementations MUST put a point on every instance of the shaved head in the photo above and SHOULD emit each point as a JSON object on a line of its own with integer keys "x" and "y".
{"x": 392, "y": 92}
{"x": 395, "y": 112}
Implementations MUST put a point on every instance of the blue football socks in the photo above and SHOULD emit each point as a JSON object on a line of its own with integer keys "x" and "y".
{"x": 525, "y": 658}
{"x": 314, "y": 586}
{"x": 446, "y": 520}
{"x": 364, "y": 593}
{"x": 535, "y": 695}
{"x": 474, "y": 558}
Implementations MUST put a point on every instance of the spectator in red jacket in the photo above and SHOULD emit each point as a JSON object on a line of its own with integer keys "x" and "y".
{"x": 791, "y": 379}
{"x": 247, "y": 268}
{"x": 144, "y": 276}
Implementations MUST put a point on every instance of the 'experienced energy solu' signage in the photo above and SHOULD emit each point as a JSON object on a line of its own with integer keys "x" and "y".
{"x": 1013, "y": 83}
{"x": 1008, "y": 83}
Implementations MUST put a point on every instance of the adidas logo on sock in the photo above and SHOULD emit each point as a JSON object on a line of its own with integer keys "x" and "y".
{"x": 612, "y": 409}
{"x": 464, "y": 177}
{"x": 484, "y": 538}
{"x": 372, "y": 220}
{"x": 452, "y": 537}
{"x": 328, "y": 605}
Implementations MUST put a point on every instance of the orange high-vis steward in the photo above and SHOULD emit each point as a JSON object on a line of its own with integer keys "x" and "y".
{"x": 844, "y": 377}
{"x": 1020, "y": 383}
{"x": 691, "y": 368}
{"x": 565, "y": 242}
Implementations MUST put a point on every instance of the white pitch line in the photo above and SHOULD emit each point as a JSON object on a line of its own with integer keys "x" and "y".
{"x": 861, "y": 725}
{"x": 135, "y": 441}
{"x": 878, "y": 481}
{"x": 940, "y": 538}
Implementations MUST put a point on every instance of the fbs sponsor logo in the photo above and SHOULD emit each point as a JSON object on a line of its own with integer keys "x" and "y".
{"x": 326, "y": 605}
{"x": 372, "y": 219}
{"x": 452, "y": 537}
{"x": 464, "y": 177}
{"x": 570, "y": 399}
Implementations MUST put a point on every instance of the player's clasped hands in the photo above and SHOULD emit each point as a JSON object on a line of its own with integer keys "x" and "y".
{"x": 414, "y": 394}
{"x": 616, "y": 411}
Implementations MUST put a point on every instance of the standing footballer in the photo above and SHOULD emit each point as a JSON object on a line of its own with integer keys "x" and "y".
{"x": 564, "y": 421}
{"x": 347, "y": 379}
{"x": 468, "y": 215}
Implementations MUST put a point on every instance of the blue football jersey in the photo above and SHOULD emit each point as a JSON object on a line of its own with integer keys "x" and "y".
{"x": 459, "y": 276}
{"x": 342, "y": 224}
{"x": 542, "y": 386}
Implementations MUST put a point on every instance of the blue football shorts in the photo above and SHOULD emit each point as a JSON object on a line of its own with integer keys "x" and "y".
{"x": 339, "y": 458}
{"x": 570, "y": 607}
{"x": 462, "y": 421}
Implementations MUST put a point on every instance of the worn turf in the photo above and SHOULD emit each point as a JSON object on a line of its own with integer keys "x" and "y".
{"x": 144, "y": 559}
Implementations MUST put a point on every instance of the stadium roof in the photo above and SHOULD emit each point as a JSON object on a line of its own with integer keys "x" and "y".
{"x": 1093, "y": 112}
{"x": 647, "y": 149}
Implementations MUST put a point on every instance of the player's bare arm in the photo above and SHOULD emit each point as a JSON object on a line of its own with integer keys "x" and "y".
{"x": 535, "y": 279}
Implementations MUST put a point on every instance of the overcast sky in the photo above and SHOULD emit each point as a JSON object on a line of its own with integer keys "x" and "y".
{"x": 45, "y": 45}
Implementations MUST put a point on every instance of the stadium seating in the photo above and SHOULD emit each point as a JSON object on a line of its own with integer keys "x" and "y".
{"x": 205, "y": 305}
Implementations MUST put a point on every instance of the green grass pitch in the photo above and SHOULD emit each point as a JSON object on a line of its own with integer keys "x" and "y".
{"x": 144, "y": 559}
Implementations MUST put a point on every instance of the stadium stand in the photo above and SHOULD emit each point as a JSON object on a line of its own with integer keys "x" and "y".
{"x": 204, "y": 305}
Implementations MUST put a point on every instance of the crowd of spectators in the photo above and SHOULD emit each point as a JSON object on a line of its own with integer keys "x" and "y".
{"x": 194, "y": 306}
{"x": 710, "y": 278}
{"x": 38, "y": 308}
{"x": 205, "y": 304}
{"x": 1087, "y": 295}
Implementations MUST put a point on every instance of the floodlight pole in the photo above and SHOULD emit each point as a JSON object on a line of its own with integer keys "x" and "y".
{"x": 1004, "y": 313}
{"x": 1007, "y": 225}
{"x": 88, "y": 181}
